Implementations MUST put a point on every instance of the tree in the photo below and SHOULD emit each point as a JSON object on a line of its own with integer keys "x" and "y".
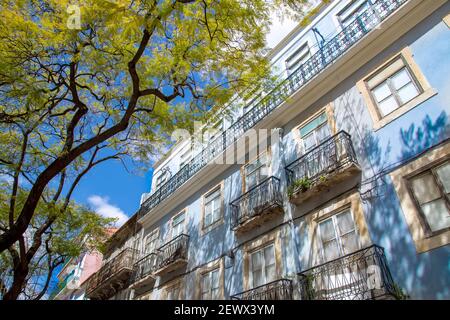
{"x": 98, "y": 80}
{"x": 26, "y": 271}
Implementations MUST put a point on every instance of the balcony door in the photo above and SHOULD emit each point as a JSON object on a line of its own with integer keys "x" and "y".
{"x": 255, "y": 172}
{"x": 342, "y": 276}
{"x": 178, "y": 225}
{"x": 313, "y": 134}
{"x": 262, "y": 266}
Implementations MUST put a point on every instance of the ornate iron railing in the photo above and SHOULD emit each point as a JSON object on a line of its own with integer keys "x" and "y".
{"x": 172, "y": 251}
{"x": 361, "y": 275}
{"x": 332, "y": 154}
{"x": 276, "y": 290}
{"x": 124, "y": 260}
{"x": 255, "y": 201}
{"x": 327, "y": 55}
{"x": 144, "y": 267}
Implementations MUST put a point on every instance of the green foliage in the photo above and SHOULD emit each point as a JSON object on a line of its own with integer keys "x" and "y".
{"x": 399, "y": 294}
{"x": 302, "y": 185}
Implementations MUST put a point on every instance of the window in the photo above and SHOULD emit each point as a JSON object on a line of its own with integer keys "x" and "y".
{"x": 338, "y": 236}
{"x": 262, "y": 266}
{"x": 178, "y": 225}
{"x": 161, "y": 179}
{"x": 210, "y": 285}
{"x": 315, "y": 132}
{"x": 151, "y": 241}
{"x": 185, "y": 157}
{"x": 354, "y": 9}
{"x": 256, "y": 171}
{"x": 393, "y": 87}
{"x": 173, "y": 293}
{"x": 431, "y": 190}
{"x": 212, "y": 207}
{"x": 298, "y": 58}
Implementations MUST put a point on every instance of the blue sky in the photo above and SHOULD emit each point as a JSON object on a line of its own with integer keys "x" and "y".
{"x": 112, "y": 191}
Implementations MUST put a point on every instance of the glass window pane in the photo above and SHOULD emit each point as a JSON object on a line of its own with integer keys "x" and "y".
{"x": 251, "y": 181}
{"x": 381, "y": 92}
{"x": 425, "y": 188}
{"x": 444, "y": 176}
{"x": 437, "y": 215}
{"x": 407, "y": 93}
{"x": 400, "y": 79}
{"x": 207, "y": 219}
{"x": 256, "y": 260}
{"x": 387, "y": 106}
{"x": 257, "y": 278}
{"x": 309, "y": 142}
{"x": 206, "y": 283}
{"x": 269, "y": 255}
{"x": 270, "y": 273}
{"x": 345, "y": 222}
{"x": 327, "y": 230}
{"x": 313, "y": 124}
{"x": 330, "y": 250}
{"x": 323, "y": 132}
{"x": 349, "y": 242}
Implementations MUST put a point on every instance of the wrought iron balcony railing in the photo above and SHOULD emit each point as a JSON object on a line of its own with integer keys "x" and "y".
{"x": 331, "y": 161}
{"x": 145, "y": 268}
{"x": 276, "y": 290}
{"x": 172, "y": 254}
{"x": 265, "y": 198}
{"x": 361, "y": 275}
{"x": 326, "y": 56}
{"x": 120, "y": 266}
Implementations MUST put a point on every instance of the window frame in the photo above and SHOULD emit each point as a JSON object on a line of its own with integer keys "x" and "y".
{"x": 183, "y": 228}
{"x": 275, "y": 237}
{"x": 188, "y": 158}
{"x": 297, "y": 59}
{"x": 338, "y": 237}
{"x": 209, "y": 275}
{"x": 214, "y": 224}
{"x": 423, "y": 241}
{"x": 415, "y": 74}
{"x": 328, "y": 110}
{"x": 211, "y": 266}
{"x": 351, "y": 14}
{"x": 423, "y": 219}
{"x": 393, "y": 91}
{"x": 156, "y": 240}
{"x": 263, "y": 267}
{"x": 268, "y": 164}
{"x": 161, "y": 181}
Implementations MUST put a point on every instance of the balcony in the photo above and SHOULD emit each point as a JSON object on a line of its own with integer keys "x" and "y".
{"x": 362, "y": 275}
{"x": 143, "y": 272}
{"x": 329, "y": 163}
{"x": 329, "y": 53}
{"x": 112, "y": 277}
{"x": 172, "y": 255}
{"x": 260, "y": 204}
{"x": 276, "y": 290}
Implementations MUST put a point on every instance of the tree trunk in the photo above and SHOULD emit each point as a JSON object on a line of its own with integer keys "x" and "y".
{"x": 20, "y": 275}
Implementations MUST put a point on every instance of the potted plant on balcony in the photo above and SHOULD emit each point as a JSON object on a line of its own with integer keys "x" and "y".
{"x": 299, "y": 185}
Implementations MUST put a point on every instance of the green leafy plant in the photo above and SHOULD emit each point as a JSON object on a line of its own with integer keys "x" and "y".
{"x": 302, "y": 185}
{"x": 399, "y": 294}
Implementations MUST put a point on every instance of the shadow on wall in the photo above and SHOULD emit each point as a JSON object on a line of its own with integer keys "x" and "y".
{"x": 425, "y": 275}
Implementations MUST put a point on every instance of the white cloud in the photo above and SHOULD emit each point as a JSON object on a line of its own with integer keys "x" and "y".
{"x": 102, "y": 206}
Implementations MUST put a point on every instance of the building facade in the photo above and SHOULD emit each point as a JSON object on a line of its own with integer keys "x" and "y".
{"x": 343, "y": 189}
{"x": 73, "y": 275}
